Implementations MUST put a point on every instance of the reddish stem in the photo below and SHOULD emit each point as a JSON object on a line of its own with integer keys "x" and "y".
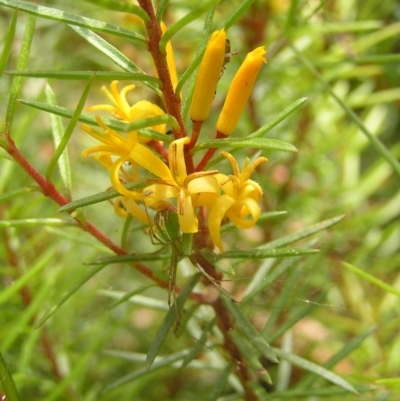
{"x": 209, "y": 154}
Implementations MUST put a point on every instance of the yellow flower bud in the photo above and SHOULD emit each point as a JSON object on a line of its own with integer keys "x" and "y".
{"x": 239, "y": 91}
{"x": 208, "y": 76}
{"x": 170, "y": 59}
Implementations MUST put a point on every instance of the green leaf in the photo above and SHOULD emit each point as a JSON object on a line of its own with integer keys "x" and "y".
{"x": 152, "y": 121}
{"x": 89, "y": 119}
{"x": 160, "y": 363}
{"x": 240, "y": 143}
{"x": 220, "y": 384}
{"x": 250, "y": 355}
{"x": 375, "y": 142}
{"x": 76, "y": 20}
{"x": 100, "y": 197}
{"x": 6, "y": 196}
{"x": 280, "y": 302}
{"x": 170, "y": 319}
{"x": 247, "y": 329}
{"x": 57, "y": 130}
{"x": 67, "y": 135}
{"x": 8, "y": 41}
{"x": 162, "y": 5}
{"x": 53, "y": 222}
{"x": 34, "y": 271}
{"x": 349, "y": 346}
{"x": 266, "y": 253}
{"x": 240, "y": 10}
{"x": 273, "y": 122}
{"x": 316, "y": 369}
{"x": 75, "y": 287}
{"x": 301, "y": 234}
{"x": 182, "y": 22}
{"x": 85, "y": 75}
{"x": 114, "y": 5}
{"x": 21, "y": 65}
{"x": 7, "y": 382}
{"x": 113, "y": 54}
{"x": 264, "y": 217}
{"x": 129, "y": 295}
{"x": 132, "y": 257}
{"x": 372, "y": 279}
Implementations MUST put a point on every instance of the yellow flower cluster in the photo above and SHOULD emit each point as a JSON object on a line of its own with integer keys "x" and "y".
{"x": 171, "y": 185}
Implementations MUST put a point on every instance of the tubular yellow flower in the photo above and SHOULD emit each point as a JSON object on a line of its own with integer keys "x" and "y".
{"x": 208, "y": 76}
{"x": 174, "y": 183}
{"x": 239, "y": 91}
{"x": 170, "y": 59}
{"x": 240, "y": 201}
{"x": 122, "y": 110}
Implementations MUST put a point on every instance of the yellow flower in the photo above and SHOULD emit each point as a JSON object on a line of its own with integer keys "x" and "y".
{"x": 208, "y": 76}
{"x": 240, "y": 201}
{"x": 239, "y": 91}
{"x": 174, "y": 183}
{"x": 122, "y": 110}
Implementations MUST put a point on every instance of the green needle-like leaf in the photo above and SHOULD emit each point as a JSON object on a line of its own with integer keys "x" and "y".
{"x": 17, "y": 192}
{"x": 7, "y": 382}
{"x": 85, "y": 75}
{"x": 240, "y": 143}
{"x": 9, "y": 38}
{"x": 170, "y": 319}
{"x": 77, "y": 20}
{"x": 84, "y": 279}
{"x": 372, "y": 279}
{"x": 316, "y": 369}
{"x": 100, "y": 197}
{"x": 21, "y": 65}
{"x": 267, "y": 253}
{"x": 58, "y": 131}
{"x": 51, "y": 222}
{"x": 114, "y": 5}
{"x": 152, "y": 121}
{"x": 241, "y": 9}
{"x": 247, "y": 329}
{"x": 182, "y": 22}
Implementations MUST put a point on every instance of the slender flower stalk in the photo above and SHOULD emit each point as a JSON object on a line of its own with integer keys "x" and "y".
{"x": 239, "y": 91}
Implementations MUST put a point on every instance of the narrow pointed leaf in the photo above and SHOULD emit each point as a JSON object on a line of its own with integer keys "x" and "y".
{"x": 152, "y": 121}
{"x": 9, "y": 38}
{"x": 170, "y": 318}
{"x": 372, "y": 279}
{"x": 53, "y": 222}
{"x": 248, "y": 330}
{"x": 6, "y": 196}
{"x": 89, "y": 119}
{"x": 7, "y": 382}
{"x": 158, "y": 364}
{"x": 75, "y": 287}
{"x": 113, "y": 54}
{"x": 100, "y": 197}
{"x": 68, "y": 132}
{"x": 220, "y": 384}
{"x": 349, "y": 346}
{"x": 77, "y": 20}
{"x": 21, "y": 65}
{"x": 300, "y": 234}
{"x": 114, "y": 5}
{"x": 267, "y": 253}
{"x": 314, "y": 368}
{"x": 58, "y": 132}
{"x": 182, "y": 22}
{"x": 240, "y": 10}
{"x": 85, "y": 75}
{"x": 132, "y": 257}
{"x": 253, "y": 143}
{"x": 129, "y": 295}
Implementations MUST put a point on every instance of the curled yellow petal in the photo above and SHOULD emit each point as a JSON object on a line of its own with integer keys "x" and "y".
{"x": 208, "y": 76}
{"x": 217, "y": 213}
{"x": 239, "y": 91}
